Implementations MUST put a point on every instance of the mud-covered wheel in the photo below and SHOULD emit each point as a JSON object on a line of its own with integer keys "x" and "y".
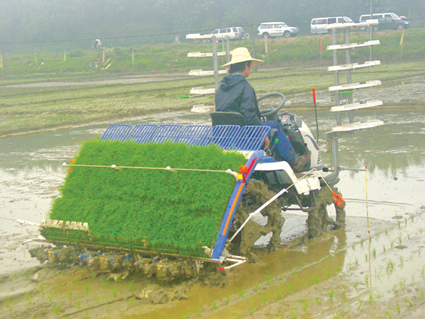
{"x": 255, "y": 195}
{"x": 318, "y": 219}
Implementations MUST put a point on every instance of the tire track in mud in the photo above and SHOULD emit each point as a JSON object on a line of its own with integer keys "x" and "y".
{"x": 328, "y": 277}
{"x": 115, "y": 94}
{"x": 389, "y": 282}
{"x": 298, "y": 98}
{"x": 140, "y": 91}
{"x": 408, "y": 74}
{"x": 98, "y": 96}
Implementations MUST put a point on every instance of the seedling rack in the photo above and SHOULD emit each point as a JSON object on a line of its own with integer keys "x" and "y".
{"x": 110, "y": 194}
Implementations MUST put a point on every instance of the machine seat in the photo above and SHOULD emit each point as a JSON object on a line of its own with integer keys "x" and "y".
{"x": 227, "y": 118}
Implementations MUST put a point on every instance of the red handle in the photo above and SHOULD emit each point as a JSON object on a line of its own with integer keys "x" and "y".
{"x": 314, "y": 95}
{"x": 338, "y": 200}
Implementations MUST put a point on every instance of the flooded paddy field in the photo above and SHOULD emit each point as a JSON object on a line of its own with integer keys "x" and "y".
{"x": 349, "y": 273}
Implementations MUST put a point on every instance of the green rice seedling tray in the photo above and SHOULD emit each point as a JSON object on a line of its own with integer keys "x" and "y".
{"x": 143, "y": 208}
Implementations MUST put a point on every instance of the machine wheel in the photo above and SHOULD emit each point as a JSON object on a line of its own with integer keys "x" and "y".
{"x": 318, "y": 219}
{"x": 375, "y": 28}
{"x": 256, "y": 194}
{"x": 266, "y": 35}
{"x": 400, "y": 27}
{"x": 287, "y": 34}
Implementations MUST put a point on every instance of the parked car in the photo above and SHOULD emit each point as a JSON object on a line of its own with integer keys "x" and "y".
{"x": 318, "y": 25}
{"x": 387, "y": 20}
{"x": 276, "y": 29}
{"x": 234, "y": 33}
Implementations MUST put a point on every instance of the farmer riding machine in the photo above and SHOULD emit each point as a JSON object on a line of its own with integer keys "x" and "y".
{"x": 168, "y": 200}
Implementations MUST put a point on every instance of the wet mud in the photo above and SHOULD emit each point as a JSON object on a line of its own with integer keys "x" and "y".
{"x": 378, "y": 279}
{"x": 340, "y": 274}
{"x": 318, "y": 219}
{"x": 255, "y": 195}
{"x": 344, "y": 273}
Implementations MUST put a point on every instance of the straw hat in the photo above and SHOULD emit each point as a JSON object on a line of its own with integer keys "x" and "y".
{"x": 242, "y": 55}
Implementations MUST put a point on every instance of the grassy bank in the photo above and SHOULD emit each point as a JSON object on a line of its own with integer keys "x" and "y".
{"x": 295, "y": 52}
{"x": 38, "y": 97}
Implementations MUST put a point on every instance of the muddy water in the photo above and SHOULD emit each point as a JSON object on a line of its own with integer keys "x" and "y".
{"x": 31, "y": 173}
{"x": 345, "y": 262}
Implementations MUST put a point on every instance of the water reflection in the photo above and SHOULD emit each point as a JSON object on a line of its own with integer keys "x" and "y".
{"x": 41, "y": 150}
{"x": 396, "y": 145}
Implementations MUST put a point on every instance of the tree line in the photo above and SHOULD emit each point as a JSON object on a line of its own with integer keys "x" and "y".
{"x": 47, "y": 24}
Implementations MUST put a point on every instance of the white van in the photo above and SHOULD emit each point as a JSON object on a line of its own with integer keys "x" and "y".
{"x": 318, "y": 25}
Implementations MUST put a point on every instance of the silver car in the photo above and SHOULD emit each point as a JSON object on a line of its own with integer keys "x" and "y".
{"x": 276, "y": 29}
{"x": 233, "y": 33}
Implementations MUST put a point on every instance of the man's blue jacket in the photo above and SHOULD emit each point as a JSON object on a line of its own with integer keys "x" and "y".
{"x": 235, "y": 94}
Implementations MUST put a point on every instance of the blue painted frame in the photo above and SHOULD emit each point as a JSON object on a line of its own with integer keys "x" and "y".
{"x": 233, "y": 204}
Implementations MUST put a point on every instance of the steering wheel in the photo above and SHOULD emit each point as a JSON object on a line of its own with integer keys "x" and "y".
{"x": 271, "y": 103}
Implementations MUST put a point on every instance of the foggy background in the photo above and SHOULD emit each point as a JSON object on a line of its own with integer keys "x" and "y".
{"x": 48, "y": 25}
